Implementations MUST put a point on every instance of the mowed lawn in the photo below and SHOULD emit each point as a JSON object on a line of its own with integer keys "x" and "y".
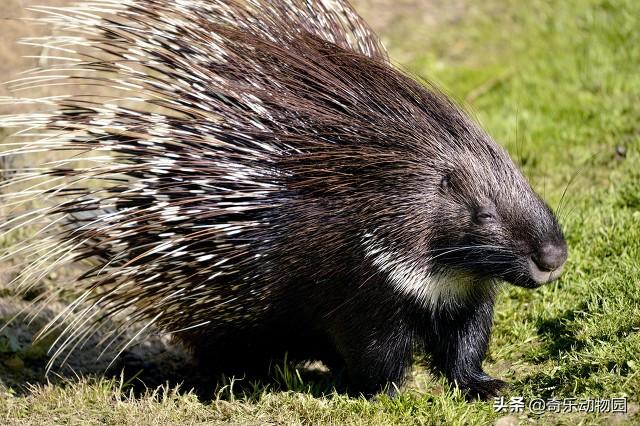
{"x": 558, "y": 83}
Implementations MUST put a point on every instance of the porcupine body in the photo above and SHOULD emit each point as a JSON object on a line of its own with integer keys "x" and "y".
{"x": 258, "y": 179}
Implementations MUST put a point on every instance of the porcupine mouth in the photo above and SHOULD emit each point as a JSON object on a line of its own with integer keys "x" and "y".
{"x": 521, "y": 271}
{"x": 532, "y": 276}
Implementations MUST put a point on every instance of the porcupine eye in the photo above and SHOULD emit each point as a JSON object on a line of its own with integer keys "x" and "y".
{"x": 485, "y": 214}
{"x": 445, "y": 182}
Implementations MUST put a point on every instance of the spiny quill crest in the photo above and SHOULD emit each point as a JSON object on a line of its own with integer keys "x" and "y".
{"x": 166, "y": 122}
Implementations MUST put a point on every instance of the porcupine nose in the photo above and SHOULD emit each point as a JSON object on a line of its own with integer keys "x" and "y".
{"x": 550, "y": 256}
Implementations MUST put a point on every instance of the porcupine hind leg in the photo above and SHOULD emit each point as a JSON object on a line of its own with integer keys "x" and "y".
{"x": 236, "y": 354}
{"x": 458, "y": 343}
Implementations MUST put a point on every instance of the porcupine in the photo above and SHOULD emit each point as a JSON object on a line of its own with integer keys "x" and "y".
{"x": 260, "y": 180}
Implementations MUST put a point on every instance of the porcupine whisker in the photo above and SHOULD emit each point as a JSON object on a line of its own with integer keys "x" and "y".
{"x": 471, "y": 247}
{"x": 453, "y": 250}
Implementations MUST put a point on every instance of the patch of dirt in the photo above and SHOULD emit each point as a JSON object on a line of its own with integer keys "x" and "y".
{"x": 154, "y": 361}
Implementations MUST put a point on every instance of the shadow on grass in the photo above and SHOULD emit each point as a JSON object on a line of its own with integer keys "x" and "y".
{"x": 558, "y": 337}
{"x": 156, "y": 361}
{"x": 559, "y": 344}
{"x": 143, "y": 372}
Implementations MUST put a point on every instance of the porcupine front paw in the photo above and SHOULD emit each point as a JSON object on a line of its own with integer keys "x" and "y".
{"x": 482, "y": 388}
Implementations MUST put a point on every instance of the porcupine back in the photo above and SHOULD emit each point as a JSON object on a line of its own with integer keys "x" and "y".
{"x": 193, "y": 135}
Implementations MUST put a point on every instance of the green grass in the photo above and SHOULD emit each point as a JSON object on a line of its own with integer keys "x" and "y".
{"x": 558, "y": 84}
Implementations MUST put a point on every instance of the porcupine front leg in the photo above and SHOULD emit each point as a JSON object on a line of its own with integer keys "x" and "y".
{"x": 458, "y": 344}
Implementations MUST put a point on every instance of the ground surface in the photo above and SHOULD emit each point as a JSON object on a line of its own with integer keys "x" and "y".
{"x": 557, "y": 84}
